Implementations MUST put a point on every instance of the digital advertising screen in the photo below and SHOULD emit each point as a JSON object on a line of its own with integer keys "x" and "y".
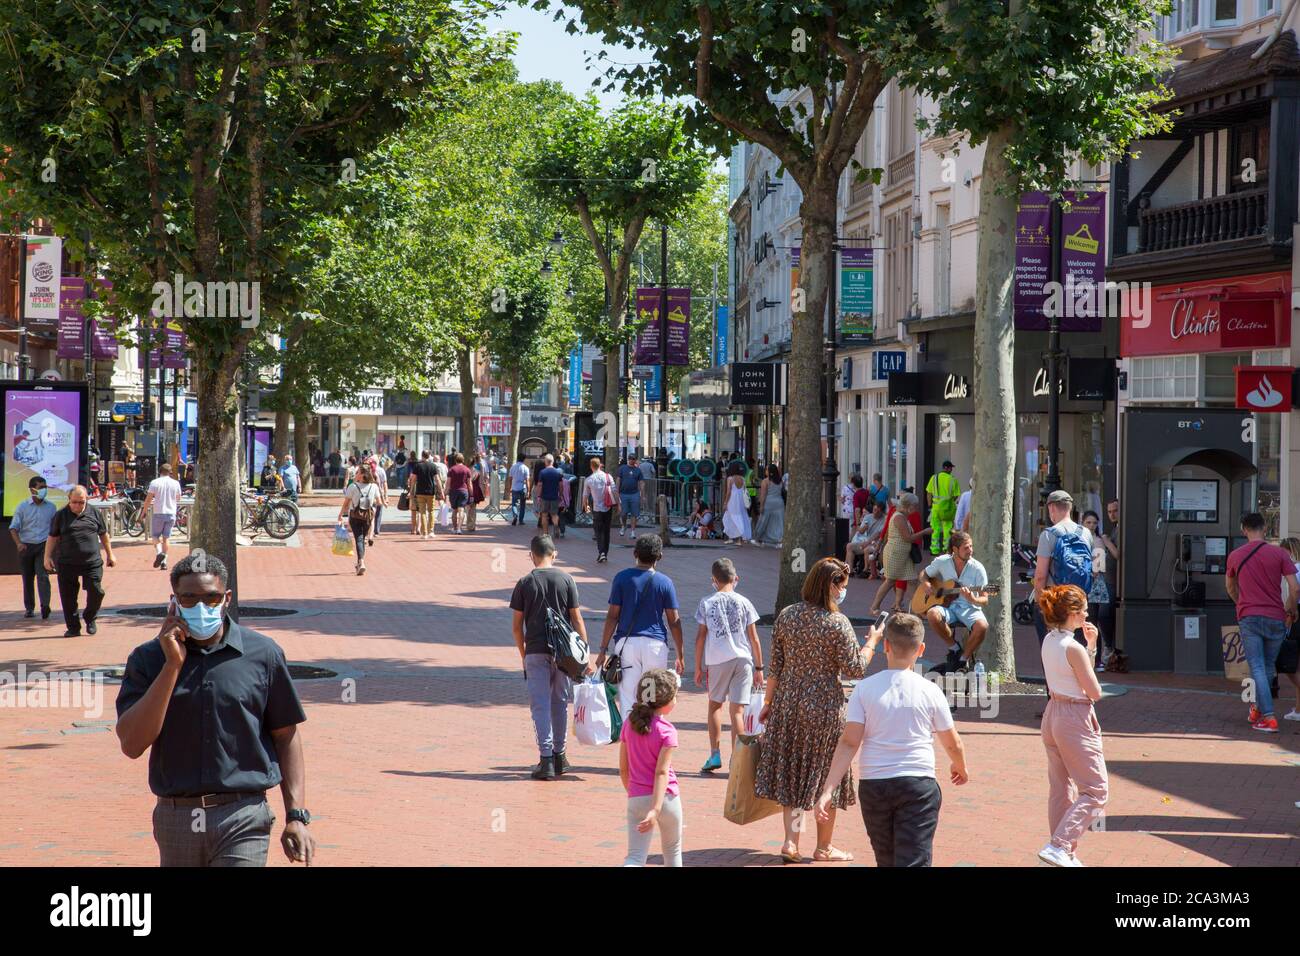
{"x": 261, "y": 448}
{"x": 45, "y": 436}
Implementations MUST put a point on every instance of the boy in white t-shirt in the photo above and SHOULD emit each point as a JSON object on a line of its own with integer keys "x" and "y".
{"x": 727, "y": 645}
{"x": 892, "y": 718}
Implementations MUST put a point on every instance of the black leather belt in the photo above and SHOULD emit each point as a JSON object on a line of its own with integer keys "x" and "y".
{"x": 209, "y": 800}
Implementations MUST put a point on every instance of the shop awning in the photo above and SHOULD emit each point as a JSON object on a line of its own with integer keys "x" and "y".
{"x": 1226, "y": 464}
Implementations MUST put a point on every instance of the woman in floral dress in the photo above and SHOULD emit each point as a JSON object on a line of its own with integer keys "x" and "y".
{"x": 813, "y": 645}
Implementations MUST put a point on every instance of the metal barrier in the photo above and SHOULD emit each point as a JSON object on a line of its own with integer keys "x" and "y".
{"x": 681, "y": 494}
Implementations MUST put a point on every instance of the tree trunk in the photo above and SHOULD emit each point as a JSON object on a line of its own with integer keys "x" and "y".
{"x": 514, "y": 417}
{"x": 995, "y": 397}
{"x": 469, "y": 434}
{"x": 301, "y": 456}
{"x": 280, "y": 443}
{"x": 215, "y": 516}
{"x": 803, "y": 542}
{"x": 607, "y": 424}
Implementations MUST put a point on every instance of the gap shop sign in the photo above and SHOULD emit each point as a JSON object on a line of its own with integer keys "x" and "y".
{"x": 1235, "y": 314}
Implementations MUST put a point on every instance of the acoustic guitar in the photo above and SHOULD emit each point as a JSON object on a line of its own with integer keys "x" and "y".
{"x": 944, "y": 595}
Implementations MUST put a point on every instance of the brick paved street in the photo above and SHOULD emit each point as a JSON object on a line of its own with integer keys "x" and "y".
{"x": 430, "y": 764}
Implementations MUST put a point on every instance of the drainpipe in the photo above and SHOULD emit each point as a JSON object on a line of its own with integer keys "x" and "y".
{"x": 1277, "y": 30}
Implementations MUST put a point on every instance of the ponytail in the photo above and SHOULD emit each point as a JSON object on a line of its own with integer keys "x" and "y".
{"x": 656, "y": 688}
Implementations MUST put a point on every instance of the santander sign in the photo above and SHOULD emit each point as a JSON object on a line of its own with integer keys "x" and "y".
{"x": 1264, "y": 388}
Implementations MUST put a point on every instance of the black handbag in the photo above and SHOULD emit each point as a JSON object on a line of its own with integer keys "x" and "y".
{"x": 404, "y": 501}
{"x": 612, "y": 672}
{"x": 568, "y": 649}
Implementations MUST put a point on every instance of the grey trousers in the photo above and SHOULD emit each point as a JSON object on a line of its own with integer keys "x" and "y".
{"x": 550, "y": 692}
{"x": 235, "y": 834}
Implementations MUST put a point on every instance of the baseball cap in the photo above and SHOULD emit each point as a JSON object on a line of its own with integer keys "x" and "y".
{"x": 1060, "y": 497}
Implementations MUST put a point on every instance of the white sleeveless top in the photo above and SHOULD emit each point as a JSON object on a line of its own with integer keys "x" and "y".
{"x": 1056, "y": 667}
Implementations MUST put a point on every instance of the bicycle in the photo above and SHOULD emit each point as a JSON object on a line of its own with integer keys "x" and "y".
{"x": 278, "y": 517}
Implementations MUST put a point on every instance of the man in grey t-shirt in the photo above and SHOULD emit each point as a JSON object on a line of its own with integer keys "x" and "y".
{"x": 1059, "y": 504}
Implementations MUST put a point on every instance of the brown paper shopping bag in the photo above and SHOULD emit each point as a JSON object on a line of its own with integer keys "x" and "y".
{"x": 742, "y": 804}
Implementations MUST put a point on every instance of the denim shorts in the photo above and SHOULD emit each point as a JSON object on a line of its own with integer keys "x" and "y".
{"x": 631, "y": 504}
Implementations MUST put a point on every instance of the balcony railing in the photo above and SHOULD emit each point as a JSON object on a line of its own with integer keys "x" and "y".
{"x": 1234, "y": 216}
{"x": 902, "y": 169}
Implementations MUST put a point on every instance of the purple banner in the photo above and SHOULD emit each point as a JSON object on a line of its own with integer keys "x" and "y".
{"x": 72, "y": 322}
{"x": 648, "y": 347}
{"x": 1079, "y": 299}
{"x": 172, "y": 354}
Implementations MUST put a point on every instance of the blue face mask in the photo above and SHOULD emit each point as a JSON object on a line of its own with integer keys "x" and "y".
{"x": 203, "y": 621}
{"x": 41, "y": 493}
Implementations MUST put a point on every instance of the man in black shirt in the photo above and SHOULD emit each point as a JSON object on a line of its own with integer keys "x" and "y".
{"x": 549, "y": 689}
{"x": 422, "y": 485}
{"x": 77, "y": 533}
{"x": 215, "y": 706}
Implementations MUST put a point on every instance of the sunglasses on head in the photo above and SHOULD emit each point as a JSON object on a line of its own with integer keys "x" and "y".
{"x": 211, "y": 600}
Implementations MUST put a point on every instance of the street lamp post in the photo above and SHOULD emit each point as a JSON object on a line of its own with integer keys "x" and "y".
{"x": 661, "y": 457}
{"x": 89, "y": 354}
{"x": 24, "y": 360}
{"x": 830, "y": 471}
{"x": 1053, "y": 480}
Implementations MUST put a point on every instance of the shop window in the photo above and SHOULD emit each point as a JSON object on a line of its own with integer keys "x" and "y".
{"x": 1268, "y": 480}
{"x": 1220, "y": 376}
{"x": 1167, "y": 378}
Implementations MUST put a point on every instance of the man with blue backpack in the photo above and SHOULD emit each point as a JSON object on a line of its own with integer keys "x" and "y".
{"x": 1064, "y": 555}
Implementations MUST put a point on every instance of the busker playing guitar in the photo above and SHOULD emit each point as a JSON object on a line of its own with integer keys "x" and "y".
{"x": 955, "y": 588}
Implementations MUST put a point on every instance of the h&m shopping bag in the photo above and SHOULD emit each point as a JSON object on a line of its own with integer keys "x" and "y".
{"x": 750, "y": 725}
{"x": 742, "y": 805}
{"x": 342, "y": 544}
{"x": 591, "y": 717}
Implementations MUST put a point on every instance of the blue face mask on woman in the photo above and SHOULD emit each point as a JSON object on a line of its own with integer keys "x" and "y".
{"x": 203, "y": 621}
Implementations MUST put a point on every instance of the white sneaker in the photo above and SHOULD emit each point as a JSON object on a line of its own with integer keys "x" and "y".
{"x": 1055, "y": 856}
{"x": 1294, "y": 715}
{"x": 620, "y": 532}
{"x": 1075, "y": 858}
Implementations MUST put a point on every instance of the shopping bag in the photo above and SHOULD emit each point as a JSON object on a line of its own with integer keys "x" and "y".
{"x": 404, "y": 501}
{"x": 1235, "y": 666}
{"x": 750, "y": 725}
{"x": 591, "y": 717}
{"x": 342, "y": 544}
{"x": 615, "y": 718}
{"x": 742, "y": 805}
{"x": 444, "y": 515}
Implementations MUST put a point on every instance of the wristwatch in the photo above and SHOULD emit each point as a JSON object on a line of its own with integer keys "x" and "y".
{"x": 759, "y": 667}
{"x": 298, "y": 816}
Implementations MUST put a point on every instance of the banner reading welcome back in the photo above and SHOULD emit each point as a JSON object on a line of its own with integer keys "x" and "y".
{"x": 1083, "y": 260}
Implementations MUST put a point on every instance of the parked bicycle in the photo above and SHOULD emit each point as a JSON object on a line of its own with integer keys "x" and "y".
{"x": 275, "y": 515}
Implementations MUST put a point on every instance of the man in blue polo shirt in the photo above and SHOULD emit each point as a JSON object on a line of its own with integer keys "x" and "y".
{"x": 29, "y": 528}
{"x": 640, "y": 600}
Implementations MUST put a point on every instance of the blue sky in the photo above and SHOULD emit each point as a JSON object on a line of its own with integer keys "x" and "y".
{"x": 546, "y": 52}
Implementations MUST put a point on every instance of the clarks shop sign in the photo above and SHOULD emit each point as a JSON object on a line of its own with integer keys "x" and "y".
{"x": 1239, "y": 313}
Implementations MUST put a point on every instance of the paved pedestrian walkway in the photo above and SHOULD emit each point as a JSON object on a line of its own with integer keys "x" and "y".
{"x": 418, "y": 752}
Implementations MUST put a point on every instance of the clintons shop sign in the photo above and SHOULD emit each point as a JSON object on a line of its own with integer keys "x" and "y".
{"x": 1233, "y": 314}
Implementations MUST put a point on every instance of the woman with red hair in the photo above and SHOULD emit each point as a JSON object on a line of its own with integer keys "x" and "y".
{"x": 1076, "y": 768}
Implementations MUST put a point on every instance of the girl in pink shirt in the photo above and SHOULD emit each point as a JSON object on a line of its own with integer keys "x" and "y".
{"x": 645, "y": 767}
